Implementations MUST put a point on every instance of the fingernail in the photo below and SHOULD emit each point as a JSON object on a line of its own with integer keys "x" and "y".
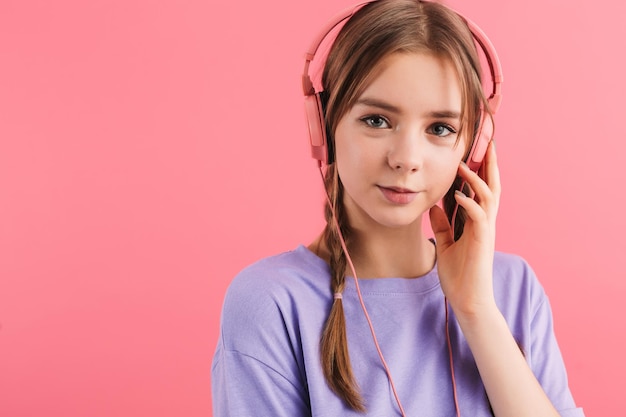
{"x": 463, "y": 164}
{"x": 460, "y": 194}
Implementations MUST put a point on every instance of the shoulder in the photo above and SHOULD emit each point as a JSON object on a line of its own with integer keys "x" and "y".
{"x": 509, "y": 263}
{"x": 516, "y": 286}
{"x": 511, "y": 269}
{"x": 265, "y": 299}
{"x": 277, "y": 275}
{"x": 264, "y": 322}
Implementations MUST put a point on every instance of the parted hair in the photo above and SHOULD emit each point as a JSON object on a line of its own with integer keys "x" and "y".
{"x": 374, "y": 32}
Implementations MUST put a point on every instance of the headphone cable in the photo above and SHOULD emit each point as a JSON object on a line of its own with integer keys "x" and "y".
{"x": 369, "y": 321}
{"x": 358, "y": 290}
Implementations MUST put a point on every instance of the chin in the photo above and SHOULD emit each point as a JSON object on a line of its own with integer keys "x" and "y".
{"x": 397, "y": 221}
{"x": 384, "y": 215}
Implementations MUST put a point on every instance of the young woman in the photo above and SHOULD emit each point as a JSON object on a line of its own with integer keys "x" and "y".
{"x": 431, "y": 327}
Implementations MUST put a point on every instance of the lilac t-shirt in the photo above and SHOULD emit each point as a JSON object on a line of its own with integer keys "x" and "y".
{"x": 267, "y": 361}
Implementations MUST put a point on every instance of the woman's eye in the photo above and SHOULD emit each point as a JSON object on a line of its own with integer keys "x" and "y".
{"x": 377, "y": 122}
{"x": 442, "y": 130}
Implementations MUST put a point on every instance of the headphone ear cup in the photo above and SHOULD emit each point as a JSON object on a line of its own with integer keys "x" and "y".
{"x": 317, "y": 130}
{"x": 315, "y": 109}
{"x": 481, "y": 142}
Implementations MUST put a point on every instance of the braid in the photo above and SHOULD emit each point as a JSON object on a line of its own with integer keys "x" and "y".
{"x": 334, "y": 344}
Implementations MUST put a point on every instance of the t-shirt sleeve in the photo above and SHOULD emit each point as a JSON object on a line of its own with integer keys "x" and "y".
{"x": 244, "y": 386}
{"x": 256, "y": 370}
{"x": 546, "y": 360}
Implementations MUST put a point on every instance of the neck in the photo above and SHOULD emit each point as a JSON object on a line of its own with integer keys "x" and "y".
{"x": 399, "y": 252}
{"x": 379, "y": 252}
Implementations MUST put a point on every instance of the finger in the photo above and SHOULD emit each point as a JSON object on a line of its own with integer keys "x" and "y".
{"x": 482, "y": 169}
{"x": 483, "y": 193}
{"x": 492, "y": 172}
{"x": 441, "y": 228}
{"x": 475, "y": 213}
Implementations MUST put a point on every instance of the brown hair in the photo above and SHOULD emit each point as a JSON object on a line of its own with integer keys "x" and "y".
{"x": 377, "y": 30}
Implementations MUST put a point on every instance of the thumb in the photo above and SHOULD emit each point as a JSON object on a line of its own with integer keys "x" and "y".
{"x": 441, "y": 228}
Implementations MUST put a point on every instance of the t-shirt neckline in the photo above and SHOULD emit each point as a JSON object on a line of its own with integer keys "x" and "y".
{"x": 389, "y": 285}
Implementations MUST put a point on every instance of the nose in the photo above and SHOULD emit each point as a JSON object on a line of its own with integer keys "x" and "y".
{"x": 406, "y": 153}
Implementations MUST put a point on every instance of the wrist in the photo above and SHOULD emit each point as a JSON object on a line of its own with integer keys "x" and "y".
{"x": 478, "y": 314}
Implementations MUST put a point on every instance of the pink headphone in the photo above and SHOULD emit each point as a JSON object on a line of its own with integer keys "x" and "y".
{"x": 314, "y": 109}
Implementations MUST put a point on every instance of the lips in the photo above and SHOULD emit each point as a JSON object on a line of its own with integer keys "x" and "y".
{"x": 398, "y": 195}
{"x": 399, "y": 189}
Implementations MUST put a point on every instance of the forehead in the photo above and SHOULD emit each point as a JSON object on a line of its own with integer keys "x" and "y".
{"x": 415, "y": 81}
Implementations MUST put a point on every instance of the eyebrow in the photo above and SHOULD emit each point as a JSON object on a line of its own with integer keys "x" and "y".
{"x": 446, "y": 114}
{"x": 372, "y": 102}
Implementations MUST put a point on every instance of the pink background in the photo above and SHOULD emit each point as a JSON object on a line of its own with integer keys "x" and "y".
{"x": 151, "y": 149}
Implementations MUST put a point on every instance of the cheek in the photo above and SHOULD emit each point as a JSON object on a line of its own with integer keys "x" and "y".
{"x": 349, "y": 165}
{"x": 448, "y": 178}
{"x": 446, "y": 167}
{"x": 354, "y": 156}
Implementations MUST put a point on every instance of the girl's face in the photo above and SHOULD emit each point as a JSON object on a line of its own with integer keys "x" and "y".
{"x": 396, "y": 148}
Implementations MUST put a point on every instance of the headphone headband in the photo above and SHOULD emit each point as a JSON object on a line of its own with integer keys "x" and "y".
{"x": 346, "y": 14}
{"x": 314, "y": 105}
